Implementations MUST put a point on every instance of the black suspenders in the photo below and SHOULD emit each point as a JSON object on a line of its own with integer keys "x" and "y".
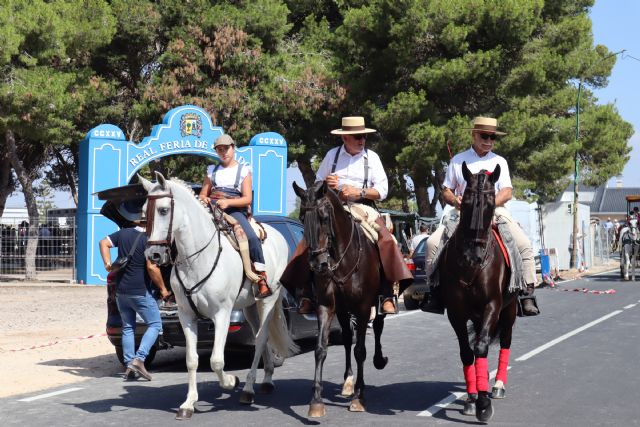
{"x": 237, "y": 183}
{"x": 365, "y": 184}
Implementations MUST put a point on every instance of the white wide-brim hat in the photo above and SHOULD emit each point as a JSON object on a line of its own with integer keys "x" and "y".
{"x": 352, "y": 126}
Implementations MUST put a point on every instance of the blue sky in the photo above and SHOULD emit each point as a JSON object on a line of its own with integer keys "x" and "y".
{"x": 614, "y": 25}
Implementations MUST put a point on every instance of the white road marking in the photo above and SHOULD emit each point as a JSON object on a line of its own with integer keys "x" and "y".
{"x": 55, "y": 393}
{"x": 629, "y": 306}
{"x": 451, "y": 398}
{"x": 565, "y": 336}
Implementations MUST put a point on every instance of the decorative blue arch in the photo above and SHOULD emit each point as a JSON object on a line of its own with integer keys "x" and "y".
{"x": 108, "y": 160}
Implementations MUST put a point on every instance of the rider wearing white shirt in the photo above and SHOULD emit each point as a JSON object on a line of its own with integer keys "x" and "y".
{"x": 228, "y": 185}
{"x": 477, "y": 158}
{"x": 357, "y": 175}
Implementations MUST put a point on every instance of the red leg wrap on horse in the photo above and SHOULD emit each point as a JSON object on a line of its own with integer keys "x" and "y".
{"x": 470, "y": 378}
{"x": 503, "y": 364}
{"x": 482, "y": 374}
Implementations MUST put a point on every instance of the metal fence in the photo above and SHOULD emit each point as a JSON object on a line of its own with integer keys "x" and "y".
{"x": 597, "y": 244}
{"x": 46, "y": 253}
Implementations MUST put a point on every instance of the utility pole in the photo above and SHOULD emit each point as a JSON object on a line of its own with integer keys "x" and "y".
{"x": 574, "y": 247}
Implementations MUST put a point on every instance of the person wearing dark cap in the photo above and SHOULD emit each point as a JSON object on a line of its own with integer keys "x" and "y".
{"x": 228, "y": 186}
{"x": 357, "y": 175}
{"x": 480, "y": 156}
{"x": 134, "y": 294}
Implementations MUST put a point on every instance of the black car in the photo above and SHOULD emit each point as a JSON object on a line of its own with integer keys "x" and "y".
{"x": 240, "y": 334}
{"x": 414, "y": 294}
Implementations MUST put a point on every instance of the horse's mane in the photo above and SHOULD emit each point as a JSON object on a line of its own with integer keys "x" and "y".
{"x": 183, "y": 186}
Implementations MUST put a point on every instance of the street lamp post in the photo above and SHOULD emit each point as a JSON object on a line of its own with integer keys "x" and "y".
{"x": 574, "y": 247}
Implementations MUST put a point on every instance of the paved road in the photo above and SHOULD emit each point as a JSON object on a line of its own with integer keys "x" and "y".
{"x": 574, "y": 365}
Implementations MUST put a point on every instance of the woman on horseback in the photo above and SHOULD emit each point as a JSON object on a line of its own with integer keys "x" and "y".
{"x": 228, "y": 186}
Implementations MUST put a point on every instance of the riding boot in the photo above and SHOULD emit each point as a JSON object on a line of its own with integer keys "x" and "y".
{"x": 263, "y": 287}
{"x": 528, "y": 301}
{"x": 306, "y": 300}
{"x": 432, "y": 302}
{"x": 388, "y": 305}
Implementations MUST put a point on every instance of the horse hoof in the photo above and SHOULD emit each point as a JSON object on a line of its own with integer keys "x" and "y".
{"x": 317, "y": 410}
{"x": 184, "y": 414}
{"x": 357, "y": 405}
{"x": 469, "y": 407}
{"x": 380, "y": 362}
{"x": 498, "y": 393}
{"x": 484, "y": 410}
{"x": 246, "y": 398}
{"x": 347, "y": 388}
{"x": 266, "y": 388}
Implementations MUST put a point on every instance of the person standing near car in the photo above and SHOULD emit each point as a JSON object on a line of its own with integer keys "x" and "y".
{"x": 134, "y": 295}
{"x": 416, "y": 239}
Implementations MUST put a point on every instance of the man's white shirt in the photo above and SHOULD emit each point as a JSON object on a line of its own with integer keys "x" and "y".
{"x": 350, "y": 170}
{"x": 455, "y": 181}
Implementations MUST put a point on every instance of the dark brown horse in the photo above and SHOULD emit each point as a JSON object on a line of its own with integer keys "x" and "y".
{"x": 348, "y": 277}
{"x": 475, "y": 287}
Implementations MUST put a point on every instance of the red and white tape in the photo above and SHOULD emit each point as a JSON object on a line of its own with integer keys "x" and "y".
{"x": 591, "y": 291}
{"x": 49, "y": 344}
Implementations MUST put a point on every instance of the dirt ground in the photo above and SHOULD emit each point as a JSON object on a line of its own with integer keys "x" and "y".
{"x": 53, "y": 335}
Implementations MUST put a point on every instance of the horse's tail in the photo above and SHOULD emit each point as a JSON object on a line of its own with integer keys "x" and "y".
{"x": 279, "y": 336}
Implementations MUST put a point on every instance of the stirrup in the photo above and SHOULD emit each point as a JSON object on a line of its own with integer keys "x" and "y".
{"x": 382, "y": 299}
{"x": 262, "y": 283}
{"x": 520, "y": 305}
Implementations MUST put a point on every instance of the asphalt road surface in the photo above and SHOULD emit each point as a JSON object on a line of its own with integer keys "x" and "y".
{"x": 573, "y": 365}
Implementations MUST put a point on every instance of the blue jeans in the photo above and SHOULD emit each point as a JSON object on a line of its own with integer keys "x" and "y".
{"x": 147, "y": 307}
{"x": 255, "y": 245}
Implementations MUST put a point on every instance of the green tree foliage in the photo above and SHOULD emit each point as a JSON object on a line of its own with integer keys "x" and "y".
{"x": 424, "y": 69}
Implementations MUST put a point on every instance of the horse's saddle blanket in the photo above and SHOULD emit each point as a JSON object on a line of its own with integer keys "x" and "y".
{"x": 507, "y": 246}
{"x": 366, "y": 216}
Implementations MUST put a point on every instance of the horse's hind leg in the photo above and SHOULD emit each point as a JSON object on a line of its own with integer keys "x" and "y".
{"x": 325, "y": 316}
{"x": 347, "y": 340}
{"x": 360, "y": 353}
{"x": 379, "y": 361}
{"x": 190, "y": 329}
{"x": 262, "y": 334}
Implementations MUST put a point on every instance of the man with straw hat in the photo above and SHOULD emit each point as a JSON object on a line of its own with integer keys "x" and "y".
{"x": 480, "y": 156}
{"x": 357, "y": 175}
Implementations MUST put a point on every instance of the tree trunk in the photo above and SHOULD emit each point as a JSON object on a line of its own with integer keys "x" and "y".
{"x": 304, "y": 164}
{"x": 68, "y": 174}
{"x": 7, "y": 184}
{"x": 26, "y": 182}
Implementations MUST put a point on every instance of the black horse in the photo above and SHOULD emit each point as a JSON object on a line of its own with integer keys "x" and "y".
{"x": 348, "y": 277}
{"x": 475, "y": 287}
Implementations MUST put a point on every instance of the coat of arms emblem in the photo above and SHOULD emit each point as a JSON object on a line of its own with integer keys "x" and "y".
{"x": 191, "y": 124}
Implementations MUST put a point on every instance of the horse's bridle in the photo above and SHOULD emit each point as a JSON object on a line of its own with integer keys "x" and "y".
{"x": 316, "y": 252}
{"x": 169, "y": 240}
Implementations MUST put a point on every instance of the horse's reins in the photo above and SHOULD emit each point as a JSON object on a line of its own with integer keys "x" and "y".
{"x": 168, "y": 241}
{"x": 334, "y": 267}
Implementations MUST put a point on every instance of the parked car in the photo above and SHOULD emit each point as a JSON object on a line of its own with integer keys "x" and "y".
{"x": 240, "y": 335}
{"x": 414, "y": 294}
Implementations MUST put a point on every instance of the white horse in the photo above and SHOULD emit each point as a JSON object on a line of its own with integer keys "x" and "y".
{"x": 629, "y": 248}
{"x": 208, "y": 277}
